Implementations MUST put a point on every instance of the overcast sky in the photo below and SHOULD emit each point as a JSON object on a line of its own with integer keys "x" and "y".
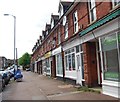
{"x": 31, "y": 17}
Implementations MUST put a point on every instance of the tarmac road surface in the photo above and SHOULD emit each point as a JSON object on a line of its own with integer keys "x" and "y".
{"x": 39, "y": 87}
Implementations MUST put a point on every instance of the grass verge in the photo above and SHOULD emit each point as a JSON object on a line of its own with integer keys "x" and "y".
{"x": 86, "y": 89}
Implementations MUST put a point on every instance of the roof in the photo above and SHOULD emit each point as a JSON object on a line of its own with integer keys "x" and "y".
{"x": 65, "y": 4}
{"x": 48, "y": 27}
{"x": 55, "y": 18}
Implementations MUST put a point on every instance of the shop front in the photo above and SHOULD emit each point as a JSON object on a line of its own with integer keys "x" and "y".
{"x": 39, "y": 66}
{"x": 101, "y": 48}
{"x": 58, "y": 61}
{"x": 48, "y": 63}
{"x": 73, "y": 61}
{"x": 110, "y": 55}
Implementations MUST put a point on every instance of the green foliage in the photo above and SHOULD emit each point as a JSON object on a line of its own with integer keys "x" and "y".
{"x": 25, "y": 60}
{"x": 86, "y": 89}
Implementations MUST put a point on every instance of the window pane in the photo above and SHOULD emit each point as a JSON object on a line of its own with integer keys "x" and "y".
{"x": 116, "y": 2}
{"x": 69, "y": 51}
{"x": 59, "y": 64}
{"x": 92, "y": 10}
{"x": 111, "y": 71}
{"x": 66, "y": 62}
{"x": 66, "y": 30}
{"x": 69, "y": 61}
{"x": 109, "y": 42}
{"x": 73, "y": 61}
{"x": 77, "y": 49}
{"x": 72, "y": 50}
{"x": 110, "y": 58}
{"x": 81, "y": 49}
{"x": 119, "y": 37}
{"x": 92, "y": 15}
{"x": 82, "y": 66}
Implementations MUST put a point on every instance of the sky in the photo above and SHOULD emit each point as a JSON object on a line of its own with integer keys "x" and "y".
{"x": 31, "y": 18}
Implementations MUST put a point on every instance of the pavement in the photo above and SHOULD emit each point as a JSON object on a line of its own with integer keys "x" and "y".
{"x": 39, "y": 87}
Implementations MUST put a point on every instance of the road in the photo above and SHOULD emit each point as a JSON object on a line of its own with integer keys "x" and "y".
{"x": 39, "y": 87}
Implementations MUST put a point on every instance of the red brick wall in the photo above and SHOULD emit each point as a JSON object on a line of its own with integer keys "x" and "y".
{"x": 62, "y": 32}
{"x": 103, "y": 8}
{"x": 53, "y": 69}
{"x": 83, "y": 16}
{"x": 90, "y": 64}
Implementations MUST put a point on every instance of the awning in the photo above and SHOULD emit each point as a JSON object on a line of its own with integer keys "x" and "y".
{"x": 101, "y": 22}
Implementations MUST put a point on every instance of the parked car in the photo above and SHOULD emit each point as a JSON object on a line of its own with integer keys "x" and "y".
{"x": 2, "y": 83}
{"x": 28, "y": 69}
{"x": 10, "y": 71}
{"x": 5, "y": 76}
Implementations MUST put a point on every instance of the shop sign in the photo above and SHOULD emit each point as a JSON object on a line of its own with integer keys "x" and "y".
{"x": 48, "y": 54}
{"x": 112, "y": 76}
{"x": 56, "y": 51}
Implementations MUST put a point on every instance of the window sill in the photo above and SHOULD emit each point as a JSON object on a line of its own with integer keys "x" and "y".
{"x": 114, "y": 8}
{"x": 92, "y": 22}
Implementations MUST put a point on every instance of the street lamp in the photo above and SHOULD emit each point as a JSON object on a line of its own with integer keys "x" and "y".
{"x": 14, "y": 33}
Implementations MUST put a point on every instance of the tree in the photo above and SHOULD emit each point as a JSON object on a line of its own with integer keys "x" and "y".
{"x": 25, "y": 60}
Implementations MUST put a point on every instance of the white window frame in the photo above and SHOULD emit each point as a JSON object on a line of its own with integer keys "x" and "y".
{"x": 92, "y": 10}
{"x": 103, "y": 60}
{"x": 59, "y": 58}
{"x": 75, "y": 21}
{"x": 66, "y": 30}
{"x": 53, "y": 42}
{"x": 47, "y": 32}
{"x": 115, "y": 3}
{"x": 67, "y": 63}
{"x": 64, "y": 20}
{"x": 61, "y": 11}
{"x": 52, "y": 23}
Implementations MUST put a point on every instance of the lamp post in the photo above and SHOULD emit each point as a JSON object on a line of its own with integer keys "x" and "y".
{"x": 14, "y": 33}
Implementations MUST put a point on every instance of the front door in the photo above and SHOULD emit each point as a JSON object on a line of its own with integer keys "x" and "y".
{"x": 79, "y": 69}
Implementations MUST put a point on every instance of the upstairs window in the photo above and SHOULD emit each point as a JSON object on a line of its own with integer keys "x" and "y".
{"x": 59, "y": 39}
{"x": 115, "y": 3}
{"x": 66, "y": 30}
{"x": 61, "y": 11}
{"x": 64, "y": 20}
{"x": 92, "y": 10}
{"x": 53, "y": 43}
{"x": 75, "y": 20}
{"x": 52, "y": 23}
{"x": 47, "y": 32}
{"x": 48, "y": 44}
